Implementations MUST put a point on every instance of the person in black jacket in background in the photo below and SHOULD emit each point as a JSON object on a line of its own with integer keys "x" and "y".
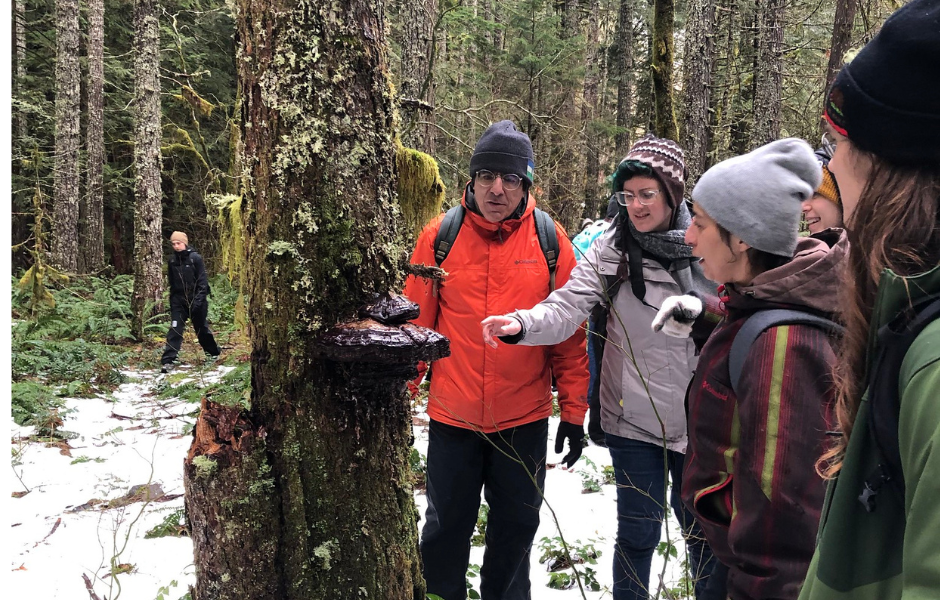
{"x": 189, "y": 288}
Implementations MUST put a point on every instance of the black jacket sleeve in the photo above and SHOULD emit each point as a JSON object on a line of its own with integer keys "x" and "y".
{"x": 202, "y": 280}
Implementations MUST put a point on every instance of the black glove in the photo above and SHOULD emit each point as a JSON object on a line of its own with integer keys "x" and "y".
{"x": 575, "y": 436}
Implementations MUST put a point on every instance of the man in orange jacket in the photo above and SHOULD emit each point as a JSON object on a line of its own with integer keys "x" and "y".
{"x": 489, "y": 407}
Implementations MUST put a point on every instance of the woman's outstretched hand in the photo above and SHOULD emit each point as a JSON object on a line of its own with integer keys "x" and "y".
{"x": 496, "y": 326}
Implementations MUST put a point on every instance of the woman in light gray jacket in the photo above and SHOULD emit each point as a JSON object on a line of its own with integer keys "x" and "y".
{"x": 639, "y": 262}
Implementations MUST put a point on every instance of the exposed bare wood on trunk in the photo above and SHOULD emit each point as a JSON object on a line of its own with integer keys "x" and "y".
{"x": 624, "y": 69}
{"x": 768, "y": 73}
{"x": 148, "y": 208}
{"x": 418, "y": 18}
{"x": 67, "y": 125}
{"x": 92, "y": 206}
{"x": 698, "y": 63}
{"x": 664, "y": 120}
{"x": 307, "y": 494}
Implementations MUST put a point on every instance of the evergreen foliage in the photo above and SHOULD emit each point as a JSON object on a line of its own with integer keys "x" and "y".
{"x": 519, "y": 59}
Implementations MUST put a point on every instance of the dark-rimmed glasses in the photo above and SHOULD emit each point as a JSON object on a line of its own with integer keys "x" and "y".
{"x": 486, "y": 179}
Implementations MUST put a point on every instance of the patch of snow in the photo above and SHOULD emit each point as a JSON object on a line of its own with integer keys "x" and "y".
{"x": 134, "y": 438}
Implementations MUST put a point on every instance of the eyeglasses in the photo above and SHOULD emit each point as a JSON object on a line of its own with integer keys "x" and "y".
{"x": 486, "y": 179}
{"x": 645, "y": 198}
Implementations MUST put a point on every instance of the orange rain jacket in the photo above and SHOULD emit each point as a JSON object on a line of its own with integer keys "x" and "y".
{"x": 494, "y": 269}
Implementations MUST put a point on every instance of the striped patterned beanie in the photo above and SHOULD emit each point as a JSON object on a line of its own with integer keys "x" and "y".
{"x": 664, "y": 157}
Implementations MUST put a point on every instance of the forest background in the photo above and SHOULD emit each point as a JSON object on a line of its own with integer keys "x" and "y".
{"x": 584, "y": 78}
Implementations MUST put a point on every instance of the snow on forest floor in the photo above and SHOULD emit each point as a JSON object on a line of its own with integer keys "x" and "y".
{"x": 84, "y": 511}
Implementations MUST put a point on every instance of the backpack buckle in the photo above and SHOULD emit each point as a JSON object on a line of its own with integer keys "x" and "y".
{"x": 873, "y": 485}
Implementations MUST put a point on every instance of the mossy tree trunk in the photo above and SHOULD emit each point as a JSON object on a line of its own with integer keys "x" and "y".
{"x": 418, "y": 18}
{"x": 664, "y": 119}
{"x": 768, "y": 73}
{"x": 592, "y": 137}
{"x": 148, "y": 207}
{"x": 67, "y": 125}
{"x": 92, "y": 206}
{"x": 306, "y": 494}
{"x": 842, "y": 25}
{"x": 19, "y": 43}
{"x": 623, "y": 61}
{"x": 698, "y": 64}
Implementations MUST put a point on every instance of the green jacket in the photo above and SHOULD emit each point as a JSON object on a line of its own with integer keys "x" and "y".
{"x": 893, "y": 552}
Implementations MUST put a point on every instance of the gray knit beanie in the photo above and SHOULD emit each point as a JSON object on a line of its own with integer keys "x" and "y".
{"x": 758, "y": 196}
{"x": 503, "y": 149}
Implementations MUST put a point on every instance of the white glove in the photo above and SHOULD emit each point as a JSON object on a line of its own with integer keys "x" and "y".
{"x": 677, "y": 315}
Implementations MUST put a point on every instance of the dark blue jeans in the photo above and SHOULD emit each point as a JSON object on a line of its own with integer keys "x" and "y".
{"x": 640, "y": 470}
{"x": 461, "y": 462}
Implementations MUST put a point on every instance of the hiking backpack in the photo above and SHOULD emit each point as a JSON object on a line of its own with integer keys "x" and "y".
{"x": 884, "y": 400}
{"x": 763, "y": 320}
{"x": 544, "y": 229}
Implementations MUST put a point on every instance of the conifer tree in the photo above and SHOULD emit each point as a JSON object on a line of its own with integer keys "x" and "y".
{"x": 67, "y": 125}
{"x": 148, "y": 208}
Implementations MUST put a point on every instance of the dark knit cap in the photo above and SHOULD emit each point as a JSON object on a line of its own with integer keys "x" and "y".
{"x": 887, "y": 100}
{"x": 503, "y": 149}
{"x": 666, "y": 160}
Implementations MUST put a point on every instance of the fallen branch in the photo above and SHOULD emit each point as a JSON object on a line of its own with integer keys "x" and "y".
{"x": 90, "y": 588}
{"x": 54, "y": 527}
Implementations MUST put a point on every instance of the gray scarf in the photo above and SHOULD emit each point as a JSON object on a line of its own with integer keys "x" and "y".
{"x": 671, "y": 245}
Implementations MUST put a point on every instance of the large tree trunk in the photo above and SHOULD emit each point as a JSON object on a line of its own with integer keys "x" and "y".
{"x": 148, "y": 209}
{"x": 567, "y": 178}
{"x": 67, "y": 125}
{"x": 768, "y": 73}
{"x": 92, "y": 206}
{"x": 592, "y": 139}
{"x": 418, "y": 18}
{"x": 698, "y": 63}
{"x": 664, "y": 121}
{"x": 841, "y": 38}
{"x": 19, "y": 41}
{"x": 624, "y": 67}
{"x": 307, "y": 493}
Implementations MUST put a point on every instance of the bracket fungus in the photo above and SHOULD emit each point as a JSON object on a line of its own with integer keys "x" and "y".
{"x": 382, "y": 343}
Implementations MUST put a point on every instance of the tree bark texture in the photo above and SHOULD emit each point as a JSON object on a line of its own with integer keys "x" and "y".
{"x": 67, "y": 125}
{"x": 768, "y": 73}
{"x": 566, "y": 179}
{"x": 307, "y": 494}
{"x": 92, "y": 206}
{"x": 19, "y": 42}
{"x": 841, "y": 38}
{"x": 148, "y": 208}
{"x": 664, "y": 121}
{"x": 698, "y": 63}
{"x": 418, "y": 18}
{"x": 589, "y": 112}
{"x": 624, "y": 62}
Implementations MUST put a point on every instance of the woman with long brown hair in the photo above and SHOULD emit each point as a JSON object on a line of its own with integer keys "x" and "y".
{"x": 879, "y": 530}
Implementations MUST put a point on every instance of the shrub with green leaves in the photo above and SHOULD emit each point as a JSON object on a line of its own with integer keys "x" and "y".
{"x": 173, "y": 525}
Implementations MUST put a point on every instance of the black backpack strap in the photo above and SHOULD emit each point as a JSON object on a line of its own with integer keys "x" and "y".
{"x": 447, "y": 233}
{"x": 548, "y": 241}
{"x": 894, "y": 340}
{"x": 762, "y": 320}
{"x": 635, "y": 256}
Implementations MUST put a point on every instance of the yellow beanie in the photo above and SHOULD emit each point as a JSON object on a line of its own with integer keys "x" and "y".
{"x": 179, "y": 236}
{"x": 828, "y": 188}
